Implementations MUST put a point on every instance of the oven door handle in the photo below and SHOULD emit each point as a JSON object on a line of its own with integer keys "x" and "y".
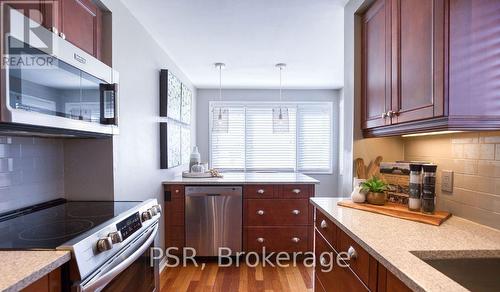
{"x": 104, "y": 279}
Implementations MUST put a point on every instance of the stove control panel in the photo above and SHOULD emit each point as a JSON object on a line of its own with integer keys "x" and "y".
{"x": 129, "y": 225}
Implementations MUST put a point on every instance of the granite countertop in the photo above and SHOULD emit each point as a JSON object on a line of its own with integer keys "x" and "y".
{"x": 391, "y": 241}
{"x": 21, "y": 268}
{"x": 231, "y": 178}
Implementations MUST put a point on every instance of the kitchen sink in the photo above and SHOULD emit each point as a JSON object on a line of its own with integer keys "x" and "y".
{"x": 475, "y": 274}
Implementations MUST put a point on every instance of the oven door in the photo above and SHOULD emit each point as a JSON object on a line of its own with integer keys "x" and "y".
{"x": 132, "y": 269}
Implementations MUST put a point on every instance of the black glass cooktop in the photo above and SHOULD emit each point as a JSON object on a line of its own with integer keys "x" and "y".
{"x": 47, "y": 226}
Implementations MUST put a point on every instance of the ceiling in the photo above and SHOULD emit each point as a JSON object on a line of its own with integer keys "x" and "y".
{"x": 250, "y": 36}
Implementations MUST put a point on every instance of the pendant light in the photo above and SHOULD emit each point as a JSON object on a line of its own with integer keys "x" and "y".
{"x": 281, "y": 122}
{"x": 220, "y": 115}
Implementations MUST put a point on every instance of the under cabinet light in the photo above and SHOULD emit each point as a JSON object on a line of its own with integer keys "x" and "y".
{"x": 431, "y": 133}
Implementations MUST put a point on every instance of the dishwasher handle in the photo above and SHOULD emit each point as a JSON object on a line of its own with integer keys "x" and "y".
{"x": 213, "y": 191}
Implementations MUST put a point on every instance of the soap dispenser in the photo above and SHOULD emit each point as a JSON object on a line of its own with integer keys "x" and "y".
{"x": 194, "y": 159}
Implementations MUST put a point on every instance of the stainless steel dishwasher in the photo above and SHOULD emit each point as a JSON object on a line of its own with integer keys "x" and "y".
{"x": 213, "y": 219}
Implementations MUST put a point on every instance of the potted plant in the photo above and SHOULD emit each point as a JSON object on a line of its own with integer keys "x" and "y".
{"x": 375, "y": 191}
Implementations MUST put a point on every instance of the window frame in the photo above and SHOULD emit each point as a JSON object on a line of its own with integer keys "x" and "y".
{"x": 268, "y": 104}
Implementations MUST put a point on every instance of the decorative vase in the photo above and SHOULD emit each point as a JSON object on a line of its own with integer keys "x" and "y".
{"x": 357, "y": 196}
{"x": 376, "y": 198}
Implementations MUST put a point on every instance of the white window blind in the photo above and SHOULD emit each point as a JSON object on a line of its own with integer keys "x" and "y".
{"x": 266, "y": 150}
{"x": 251, "y": 145}
{"x": 227, "y": 149}
{"x": 314, "y": 138}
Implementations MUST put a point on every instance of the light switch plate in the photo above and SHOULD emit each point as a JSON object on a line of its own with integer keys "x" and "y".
{"x": 447, "y": 181}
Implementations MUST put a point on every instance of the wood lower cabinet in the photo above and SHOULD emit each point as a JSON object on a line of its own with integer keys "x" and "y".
{"x": 279, "y": 222}
{"x": 277, "y": 217}
{"x": 174, "y": 218}
{"x": 364, "y": 272}
{"x": 330, "y": 275}
{"x": 49, "y": 283}
{"x": 277, "y": 239}
{"x": 429, "y": 65}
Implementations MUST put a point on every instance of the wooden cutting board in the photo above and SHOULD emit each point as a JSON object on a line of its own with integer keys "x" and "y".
{"x": 399, "y": 211}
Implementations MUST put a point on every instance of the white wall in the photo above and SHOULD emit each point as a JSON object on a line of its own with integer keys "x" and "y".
{"x": 136, "y": 150}
{"x": 328, "y": 185}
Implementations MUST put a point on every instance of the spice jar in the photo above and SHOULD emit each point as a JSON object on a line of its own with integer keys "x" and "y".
{"x": 415, "y": 187}
{"x": 429, "y": 188}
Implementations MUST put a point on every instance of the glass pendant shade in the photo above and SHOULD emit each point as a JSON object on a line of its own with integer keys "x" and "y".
{"x": 281, "y": 121}
{"x": 220, "y": 120}
{"x": 280, "y": 114}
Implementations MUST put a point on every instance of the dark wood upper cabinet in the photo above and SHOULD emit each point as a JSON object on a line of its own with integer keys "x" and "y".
{"x": 81, "y": 25}
{"x": 376, "y": 55}
{"x": 474, "y": 60}
{"x": 78, "y": 21}
{"x": 418, "y": 59}
{"x": 443, "y": 67}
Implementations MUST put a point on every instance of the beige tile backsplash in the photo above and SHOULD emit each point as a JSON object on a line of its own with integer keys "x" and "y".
{"x": 474, "y": 158}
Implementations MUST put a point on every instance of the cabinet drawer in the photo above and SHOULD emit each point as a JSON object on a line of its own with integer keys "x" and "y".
{"x": 297, "y": 191}
{"x": 269, "y": 212}
{"x": 327, "y": 228}
{"x": 336, "y": 278}
{"x": 259, "y": 191}
{"x": 361, "y": 264}
{"x": 277, "y": 239}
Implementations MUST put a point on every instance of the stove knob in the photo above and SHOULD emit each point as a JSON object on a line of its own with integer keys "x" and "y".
{"x": 158, "y": 208}
{"x": 116, "y": 237}
{"x": 152, "y": 210}
{"x": 146, "y": 215}
{"x": 104, "y": 244}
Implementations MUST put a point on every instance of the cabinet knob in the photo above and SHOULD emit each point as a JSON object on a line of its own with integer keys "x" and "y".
{"x": 62, "y": 35}
{"x": 295, "y": 239}
{"x": 260, "y": 191}
{"x": 260, "y": 212}
{"x": 54, "y": 30}
{"x": 323, "y": 224}
{"x": 260, "y": 239}
{"x": 295, "y": 212}
{"x": 391, "y": 114}
{"x": 322, "y": 261}
{"x": 352, "y": 253}
{"x": 384, "y": 115}
{"x": 177, "y": 191}
{"x": 296, "y": 191}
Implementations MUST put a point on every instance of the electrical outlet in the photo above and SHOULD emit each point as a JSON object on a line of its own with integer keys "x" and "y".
{"x": 447, "y": 181}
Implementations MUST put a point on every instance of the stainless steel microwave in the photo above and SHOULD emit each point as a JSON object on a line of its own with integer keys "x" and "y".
{"x": 48, "y": 83}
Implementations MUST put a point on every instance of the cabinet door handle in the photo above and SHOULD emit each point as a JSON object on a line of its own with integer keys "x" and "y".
{"x": 352, "y": 253}
{"x": 260, "y": 239}
{"x": 260, "y": 212}
{"x": 62, "y": 35}
{"x": 296, "y": 191}
{"x": 295, "y": 239}
{"x": 295, "y": 212}
{"x": 260, "y": 191}
{"x": 323, "y": 224}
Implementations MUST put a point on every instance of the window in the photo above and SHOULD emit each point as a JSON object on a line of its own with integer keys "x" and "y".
{"x": 251, "y": 145}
